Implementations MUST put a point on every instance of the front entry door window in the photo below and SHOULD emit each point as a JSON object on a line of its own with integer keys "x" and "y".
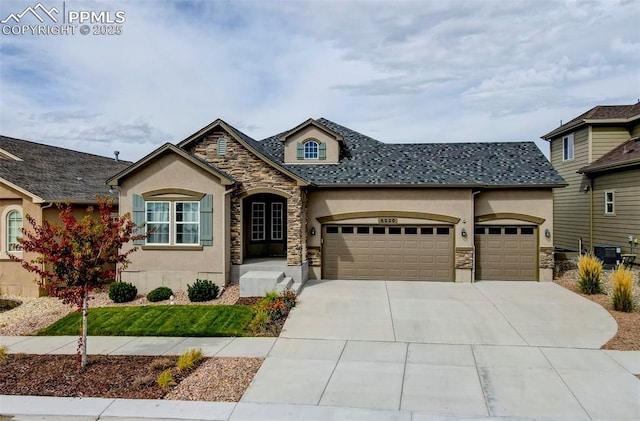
{"x": 266, "y": 230}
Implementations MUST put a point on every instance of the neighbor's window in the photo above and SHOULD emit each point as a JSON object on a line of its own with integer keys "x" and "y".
{"x": 14, "y": 224}
{"x": 311, "y": 150}
{"x": 567, "y": 147}
{"x": 609, "y": 198}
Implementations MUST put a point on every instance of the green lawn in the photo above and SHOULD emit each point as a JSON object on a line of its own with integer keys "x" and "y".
{"x": 219, "y": 320}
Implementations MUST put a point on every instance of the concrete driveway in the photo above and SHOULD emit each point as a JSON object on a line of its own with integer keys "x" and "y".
{"x": 486, "y": 313}
{"x": 430, "y": 351}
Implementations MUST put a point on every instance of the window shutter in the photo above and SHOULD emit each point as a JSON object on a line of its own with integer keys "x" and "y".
{"x": 322, "y": 151}
{"x": 300, "y": 151}
{"x": 138, "y": 217}
{"x": 206, "y": 220}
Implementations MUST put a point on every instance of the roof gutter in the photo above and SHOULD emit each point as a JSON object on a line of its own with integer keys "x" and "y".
{"x": 444, "y": 186}
{"x": 560, "y": 130}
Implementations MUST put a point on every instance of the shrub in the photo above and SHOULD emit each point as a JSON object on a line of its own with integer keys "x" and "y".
{"x": 622, "y": 283}
{"x": 161, "y": 364}
{"x": 190, "y": 358}
{"x": 589, "y": 271}
{"x": 4, "y": 353}
{"x": 260, "y": 323}
{"x": 159, "y": 294}
{"x": 202, "y": 290}
{"x": 290, "y": 298}
{"x": 165, "y": 380}
{"x": 271, "y": 296}
{"x": 122, "y": 292}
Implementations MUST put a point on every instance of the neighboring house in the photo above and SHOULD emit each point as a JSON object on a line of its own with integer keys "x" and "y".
{"x": 33, "y": 178}
{"x": 324, "y": 201}
{"x": 598, "y": 154}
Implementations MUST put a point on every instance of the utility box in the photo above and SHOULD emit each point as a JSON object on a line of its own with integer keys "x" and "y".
{"x": 610, "y": 255}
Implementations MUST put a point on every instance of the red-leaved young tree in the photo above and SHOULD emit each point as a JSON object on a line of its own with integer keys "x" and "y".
{"x": 78, "y": 256}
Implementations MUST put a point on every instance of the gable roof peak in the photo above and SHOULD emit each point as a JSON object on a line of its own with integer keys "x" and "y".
{"x": 311, "y": 122}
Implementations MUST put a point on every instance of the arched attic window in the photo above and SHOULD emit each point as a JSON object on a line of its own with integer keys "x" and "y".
{"x": 312, "y": 149}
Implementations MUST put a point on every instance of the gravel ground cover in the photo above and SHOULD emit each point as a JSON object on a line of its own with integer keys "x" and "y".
{"x": 627, "y": 337}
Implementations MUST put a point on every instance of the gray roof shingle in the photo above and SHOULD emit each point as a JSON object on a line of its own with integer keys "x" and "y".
{"x": 57, "y": 174}
{"x": 371, "y": 162}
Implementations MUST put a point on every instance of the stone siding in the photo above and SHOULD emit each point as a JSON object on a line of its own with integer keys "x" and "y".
{"x": 546, "y": 258}
{"x": 314, "y": 256}
{"x": 464, "y": 258}
{"x": 253, "y": 173}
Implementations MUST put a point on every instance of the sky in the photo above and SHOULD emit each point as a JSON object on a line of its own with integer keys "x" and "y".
{"x": 398, "y": 71}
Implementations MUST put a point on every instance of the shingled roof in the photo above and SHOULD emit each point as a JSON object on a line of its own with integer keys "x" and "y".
{"x": 50, "y": 174}
{"x": 369, "y": 162}
{"x": 624, "y": 156}
{"x": 598, "y": 114}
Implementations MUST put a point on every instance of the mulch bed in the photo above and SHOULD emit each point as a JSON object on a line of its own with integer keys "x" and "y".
{"x": 59, "y": 375}
{"x": 126, "y": 377}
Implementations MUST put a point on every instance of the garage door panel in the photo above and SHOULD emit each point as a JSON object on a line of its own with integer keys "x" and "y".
{"x": 397, "y": 254}
{"x": 505, "y": 253}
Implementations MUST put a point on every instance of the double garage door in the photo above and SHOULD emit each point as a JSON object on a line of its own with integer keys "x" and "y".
{"x": 388, "y": 252}
{"x": 426, "y": 252}
{"x": 506, "y": 253}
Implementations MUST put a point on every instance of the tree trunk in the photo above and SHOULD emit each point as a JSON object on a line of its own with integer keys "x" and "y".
{"x": 85, "y": 307}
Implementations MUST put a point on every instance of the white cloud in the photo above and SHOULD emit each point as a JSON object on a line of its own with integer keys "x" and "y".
{"x": 399, "y": 71}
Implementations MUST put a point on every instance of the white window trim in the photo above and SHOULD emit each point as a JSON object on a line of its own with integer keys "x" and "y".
{"x": 307, "y": 142}
{"x": 570, "y": 150}
{"x": 4, "y": 244}
{"x": 612, "y": 202}
{"x": 173, "y": 223}
{"x": 264, "y": 217}
{"x": 273, "y": 206}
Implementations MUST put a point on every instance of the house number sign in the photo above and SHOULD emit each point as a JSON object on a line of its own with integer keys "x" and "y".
{"x": 387, "y": 220}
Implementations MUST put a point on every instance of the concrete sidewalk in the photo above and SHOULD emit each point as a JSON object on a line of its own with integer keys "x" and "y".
{"x": 338, "y": 379}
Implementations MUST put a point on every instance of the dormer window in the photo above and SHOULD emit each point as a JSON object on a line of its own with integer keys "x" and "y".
{"x": 312, "y": 149}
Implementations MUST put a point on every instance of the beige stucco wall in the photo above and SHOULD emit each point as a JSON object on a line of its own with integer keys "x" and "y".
{"x": 14, "y": 280}
{"x": 290, "y": 146}
{"x": 455, "y": 203}
{"x": 175, "y": 267}
{"x": 532, "y": 202}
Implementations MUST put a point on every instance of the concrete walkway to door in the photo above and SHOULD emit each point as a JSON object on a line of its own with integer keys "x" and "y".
{"x": 484, "y": 313}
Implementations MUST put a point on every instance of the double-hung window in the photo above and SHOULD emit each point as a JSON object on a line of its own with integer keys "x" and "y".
{"x": 567, "y": 147}
{"x": 173, "y": 223}
{"x": 609, "y": 203}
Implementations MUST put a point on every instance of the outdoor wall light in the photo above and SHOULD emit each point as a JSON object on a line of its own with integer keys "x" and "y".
{"x": 547, "y": 233}
{"x": 313, "y": 231}
{"x": 464, "y": 232}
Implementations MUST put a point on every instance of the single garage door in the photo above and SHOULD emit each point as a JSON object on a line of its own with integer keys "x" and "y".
{"x": 506, "y": 253}
{"x": 388, "y": 252}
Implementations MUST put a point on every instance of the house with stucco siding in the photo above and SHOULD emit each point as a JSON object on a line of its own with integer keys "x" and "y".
{"x": 34, "y": 178}
{"x": 322, "y": 201}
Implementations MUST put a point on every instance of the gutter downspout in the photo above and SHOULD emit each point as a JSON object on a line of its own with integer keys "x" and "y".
{"x": 473, "y": 215}
{"x": 591, "y": 215}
